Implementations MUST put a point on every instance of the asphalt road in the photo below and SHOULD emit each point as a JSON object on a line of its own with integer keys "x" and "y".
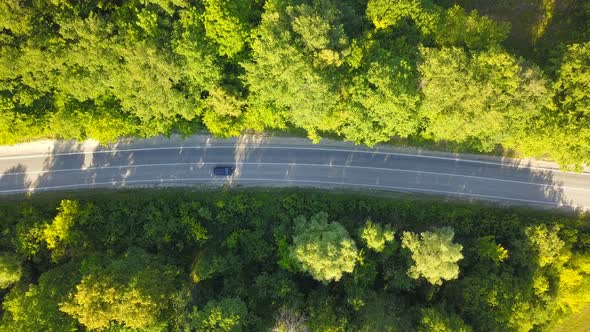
{"x": 287, "y": 162}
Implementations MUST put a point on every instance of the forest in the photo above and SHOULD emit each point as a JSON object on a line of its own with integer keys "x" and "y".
{"x": 287, "y": 260}
{"x": 366, "y": 71}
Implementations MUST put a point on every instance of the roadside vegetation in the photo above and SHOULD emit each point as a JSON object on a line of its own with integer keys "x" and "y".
{"x": 513, "y": 76}
{"x": 285, "y": 260}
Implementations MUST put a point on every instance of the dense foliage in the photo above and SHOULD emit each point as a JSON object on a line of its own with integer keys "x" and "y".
{"x": 434, "y": 254}
{"x": 366, "y": 70}
{"x": 285, "y": 260}
{"x": 323, "y": 249}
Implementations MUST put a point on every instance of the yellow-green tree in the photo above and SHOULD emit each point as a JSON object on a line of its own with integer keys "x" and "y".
{"x": 376, "y": 236}
{"x": 434, "y": 254}
{"x": 61, "y": 234}
{"x": 485, "y": 96}
{"x": 563, "y": 130}
{"x": 131, "y": 290}
{"x": 35, "y": 307}
{"x": 324, "y": 249}
{"x": 227, "y": 24}
{"x": 547, "y": 244}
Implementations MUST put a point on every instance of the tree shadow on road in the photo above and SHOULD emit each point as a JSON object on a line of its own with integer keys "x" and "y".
{"x": 14, "y": 180}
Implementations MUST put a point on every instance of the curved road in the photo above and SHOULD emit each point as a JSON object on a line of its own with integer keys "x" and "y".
{"x": 285, "y": 161}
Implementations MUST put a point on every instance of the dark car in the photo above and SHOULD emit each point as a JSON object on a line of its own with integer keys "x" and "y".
{"x": 223, "y": 170}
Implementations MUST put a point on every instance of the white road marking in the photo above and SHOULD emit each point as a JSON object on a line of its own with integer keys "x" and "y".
{"x": 291, "y": 165}
{"x": 286, "y": 147}
{"x": 163, "y": 181}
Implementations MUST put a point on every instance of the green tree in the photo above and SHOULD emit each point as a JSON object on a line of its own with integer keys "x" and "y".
{"x": 60, "y": 233}
{"x": 131, "y": 290}
{"x": 562, "y": 131}
{"x": 223, "y": 114}
{"x": 383, "y": 92}
{"x": 325, "y": 314}
{"x": 227, "y": 24}
{"x": 320, "y": 27}
{"x": 386, "y": 13}
{"x": 500, "y": 302}
{"x": 471, "y": 30}
{"x": 10, "y": 269}
{"x": 385, "y": 312}
{"x": 438, "y": 320}
{"x": 484, "y": 96}
{"x": 377, "y": 236}
{"x": 35, "y": 308}
{"x": 434, "y": 254}
{"x": 226, "y": 315}
{"x": 16, "y": 17}
{"x": 140, "y": 56}
{"x": 17, "y": 127}
{"x": 571, "y": 87}
{"x": 574, "y": 285}
{"x": 283, "y": 78}
{"x": 324, "y": 249}
{"x": 201, "y": 72}
{"x": 487, "y": 248}
{"x": 546, "y": 243}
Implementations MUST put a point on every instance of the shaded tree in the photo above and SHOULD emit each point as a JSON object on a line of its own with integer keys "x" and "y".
{"x": 36, "y": 307}
{"x": 385, "y": 312}
{"x": 487, "y": 249}
{"x": 225, "y": 315}
{"x": 10, "y": 269}
{"x": 438, "y": 320}
{"x": 386, "y": 13}
{"x": 470, "y": 30}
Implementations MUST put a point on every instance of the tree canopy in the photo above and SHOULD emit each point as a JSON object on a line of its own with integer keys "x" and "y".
{"x": 368, "y": 71}
{"x": 131, "y": 290}
{"x": 434, "y": 254}
{"x": 225, "y": 260}
{"x": 485, "y": 96}
{"x": 323, "y": 248}
{"x": 10, "y": 269}
{"x": 221, "y": 316}
{"x": 376, "y": 236}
